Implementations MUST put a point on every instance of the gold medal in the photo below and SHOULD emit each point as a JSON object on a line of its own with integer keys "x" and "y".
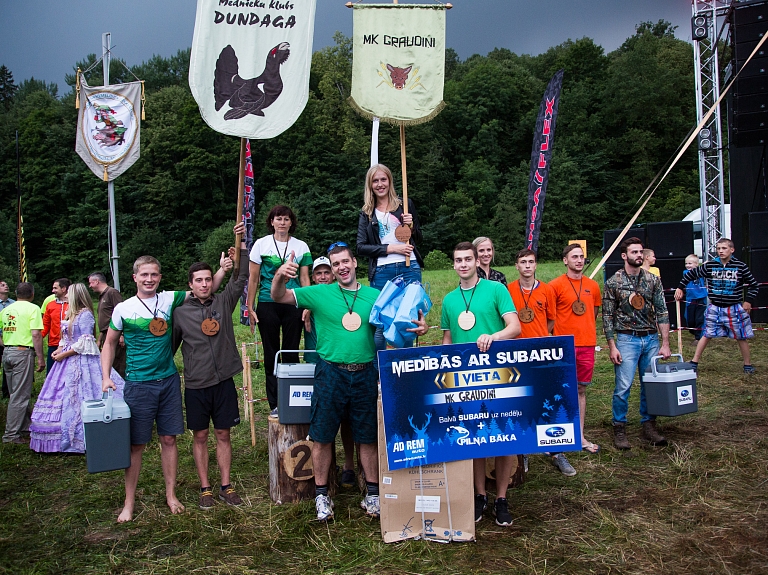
{"x": 579, "y": 307}
{"x": 526, "y": 315}
{"x": 403, "y": 234}
{"x": 466, "y": 320}
{"x": 158, "y": 327}
{"x": 210, "y": 326}
{"x": 351, "y": 321}
{"x": 637, "y": 301}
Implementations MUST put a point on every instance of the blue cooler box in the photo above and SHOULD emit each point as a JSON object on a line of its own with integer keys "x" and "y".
{"x": 107, "y": 426}
{"x": 670, "y": 388}
{"x": 295, "y": 384}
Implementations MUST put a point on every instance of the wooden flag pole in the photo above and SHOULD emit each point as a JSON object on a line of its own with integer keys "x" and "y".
{"x": 679, "y": 329}
{"x": 240, "y": 194}
{"x": 250, "y": 402}
{"x": 246, "y": 398}
{"x": 405, "y": 177}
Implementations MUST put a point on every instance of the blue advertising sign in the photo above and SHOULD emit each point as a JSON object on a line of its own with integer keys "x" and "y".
{"x": 453, "y": 402}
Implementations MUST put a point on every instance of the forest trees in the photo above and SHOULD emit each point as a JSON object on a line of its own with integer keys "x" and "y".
{"x": 622, "y": 115}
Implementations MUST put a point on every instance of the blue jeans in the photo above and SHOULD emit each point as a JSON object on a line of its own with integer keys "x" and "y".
{"x": 382, "y": 275}
{"x": 636, "y": 353}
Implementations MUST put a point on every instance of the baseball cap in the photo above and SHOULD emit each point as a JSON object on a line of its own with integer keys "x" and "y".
{"x": 321, "y": 261}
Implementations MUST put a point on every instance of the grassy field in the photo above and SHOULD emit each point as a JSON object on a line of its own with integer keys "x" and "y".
{"x": 696, "y": 506}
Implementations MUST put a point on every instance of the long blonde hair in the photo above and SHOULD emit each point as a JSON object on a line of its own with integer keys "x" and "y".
{"x": 369, "y": 198}
{"x": 79, "y": 299}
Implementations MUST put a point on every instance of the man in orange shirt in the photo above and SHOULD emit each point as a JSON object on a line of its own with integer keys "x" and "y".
{"x": 578, "y": 302}
{"x": 53, "y": 314}
{"x": 535, "y": 303}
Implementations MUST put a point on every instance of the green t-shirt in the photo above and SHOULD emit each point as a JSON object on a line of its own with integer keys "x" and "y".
{"x": 270, "y": 255}
{"x": 310, "y": 341}
{"x": 490, "y": 302}
{"x": 334, "y": 343}
{"x": 149, "y": 357}
{"x": 17, "y": 322}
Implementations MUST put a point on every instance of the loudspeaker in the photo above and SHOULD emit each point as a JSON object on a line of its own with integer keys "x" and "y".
{"x": 609, "y": 236}
{"x": 760, "y": 315}
{"x": 758, "y": 264}
{"x": 747, "y": 125}
{"x": 756, "y": 230}
{"x": 671, "y": 270}
{"x": 670, "y": 239}
{"x": 699, "y": 27}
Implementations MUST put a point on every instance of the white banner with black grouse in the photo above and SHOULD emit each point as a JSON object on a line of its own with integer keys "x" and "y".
{"x": 249, "y": 70}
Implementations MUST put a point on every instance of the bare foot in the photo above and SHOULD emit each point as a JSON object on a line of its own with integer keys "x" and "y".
{"x": 176, "y": 506}
{"x": 125, "y": 515}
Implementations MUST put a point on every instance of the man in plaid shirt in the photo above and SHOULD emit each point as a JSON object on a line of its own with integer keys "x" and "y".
{"x": 634, "y": 313}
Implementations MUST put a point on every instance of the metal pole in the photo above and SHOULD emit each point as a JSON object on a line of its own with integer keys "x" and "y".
{"x": 106, "y": 44}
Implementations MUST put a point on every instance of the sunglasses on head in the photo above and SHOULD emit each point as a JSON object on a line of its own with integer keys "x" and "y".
{"x": 337, "y": 245}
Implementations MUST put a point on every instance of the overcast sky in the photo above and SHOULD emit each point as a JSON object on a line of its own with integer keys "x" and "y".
{"x": 45, "y": 38}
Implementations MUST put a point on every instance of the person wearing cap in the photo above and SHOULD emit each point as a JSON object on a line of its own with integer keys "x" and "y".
{"x": 322, "y": 274}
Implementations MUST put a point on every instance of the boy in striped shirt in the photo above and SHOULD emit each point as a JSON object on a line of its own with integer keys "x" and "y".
{"x": 727, "y": 315}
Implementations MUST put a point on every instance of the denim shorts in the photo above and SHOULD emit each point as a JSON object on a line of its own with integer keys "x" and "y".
{"x": 344, "y": 395}
{"x": 157, "y": 400}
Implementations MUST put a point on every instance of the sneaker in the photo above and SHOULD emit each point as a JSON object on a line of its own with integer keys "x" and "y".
{"x": 206, "y": 499}
{"x": 348, "y": 478}
{"x": 229, "y": 496}
{"x": 324, "y": 508}
{"x": 371, "y": 505}
{"x": 273, "y": 413}
{"x": 503, "y": 516}
{"x": 481, "y": 504}
{"x": 749, "y": 369}
{"x": 563, "y": 465}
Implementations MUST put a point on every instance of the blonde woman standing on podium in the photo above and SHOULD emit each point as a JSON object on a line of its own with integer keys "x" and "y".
{"x": 382, "y": 213}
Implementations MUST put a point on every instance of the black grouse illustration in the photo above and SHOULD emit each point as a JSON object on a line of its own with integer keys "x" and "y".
{"x": 248, "y": 96}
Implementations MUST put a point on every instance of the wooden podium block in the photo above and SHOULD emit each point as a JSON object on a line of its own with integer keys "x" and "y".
{"x": 516, "y": 476}
{"x": 291, "y": 475}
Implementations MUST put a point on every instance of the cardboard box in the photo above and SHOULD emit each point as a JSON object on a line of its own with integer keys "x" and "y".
{"x": 429, "y": 502}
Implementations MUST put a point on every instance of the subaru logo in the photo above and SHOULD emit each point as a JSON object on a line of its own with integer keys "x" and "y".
{"x": 555, "y": 432}
{"x": 684, "y": 393}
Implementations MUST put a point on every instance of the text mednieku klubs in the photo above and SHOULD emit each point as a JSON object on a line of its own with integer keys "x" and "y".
{"x": 476, "y": 360}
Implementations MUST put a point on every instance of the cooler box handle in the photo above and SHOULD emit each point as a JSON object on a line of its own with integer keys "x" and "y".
{"x": 107, "y": 415}
{"x": 277, "y": 355}
{"x": 656, "y": 359}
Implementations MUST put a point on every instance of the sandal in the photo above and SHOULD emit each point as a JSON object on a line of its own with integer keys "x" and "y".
{"x": 592, "y": 448}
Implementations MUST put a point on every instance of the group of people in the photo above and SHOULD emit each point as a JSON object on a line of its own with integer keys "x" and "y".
{"x": 333, "y": 313}
{"x": 73, "y": 368}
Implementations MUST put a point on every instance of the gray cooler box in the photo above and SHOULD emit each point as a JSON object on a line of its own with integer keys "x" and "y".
{"x": 670, "y": 388}
{"x": 295, "y": 383}
{"x": 107, "y": 425}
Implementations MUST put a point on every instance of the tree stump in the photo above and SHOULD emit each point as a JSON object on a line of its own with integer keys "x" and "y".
{"x": 516, "y": 476}
{"x": 291, "y": 476}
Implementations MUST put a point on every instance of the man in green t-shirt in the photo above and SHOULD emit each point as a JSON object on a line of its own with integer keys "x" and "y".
{"x": 345, "y": 379}
{"x": 21, "y": 324}
{"x": 481, "y": 311}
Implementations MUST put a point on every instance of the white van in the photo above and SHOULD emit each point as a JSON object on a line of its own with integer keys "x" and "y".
{"x": 695, "y": 217}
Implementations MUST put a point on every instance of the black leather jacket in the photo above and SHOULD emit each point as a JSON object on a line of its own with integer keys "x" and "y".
{"x": 369, "y": 244}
